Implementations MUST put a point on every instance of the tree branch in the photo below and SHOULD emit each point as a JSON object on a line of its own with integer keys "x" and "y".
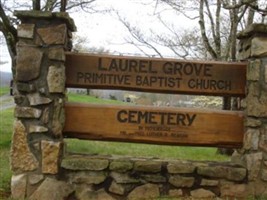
{"x": 137, "y": 46}
{"x": 63, "y": 4}
{"x": 215, "y": 28}
{"x": 1, "y": 26}
{"x": 50, "y": 5}
{"x": 203, "y": 31}
{"x": 9, "y": 32}
{"x": 211, "y": 19}
{"x": 250, "y": 18}
{"x": 185, "y": 44}
{"x": 217, "y": 39}
{"x": 235, "y": 5}
{"x": 255, "y": 7}
{"x": 233, "y": 31}
{"x": 242, "y": 13}
{"x": 138, "y": 36}
{"x": 6, "y": 21}
{"x": 180, "y": 7}
{"x": 71, "y": 5}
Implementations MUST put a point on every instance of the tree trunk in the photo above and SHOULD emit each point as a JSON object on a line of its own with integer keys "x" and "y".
{"x": 36, "y": 5}
{"x": 226, "y": 103}
{"x": 63, "y": 5}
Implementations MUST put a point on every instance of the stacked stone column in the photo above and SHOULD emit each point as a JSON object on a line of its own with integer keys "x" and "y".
{"x": 39, "y": 82}
{"x": 253, "y": 155}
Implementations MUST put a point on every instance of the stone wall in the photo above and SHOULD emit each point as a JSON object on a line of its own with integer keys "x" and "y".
{"x": 109, "y": 177}
{"x": 41, "y": 169}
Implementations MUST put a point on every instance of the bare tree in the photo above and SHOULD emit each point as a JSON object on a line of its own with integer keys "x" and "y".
{"x": 219, "y": 22}
{"x": 8, "y": 22}
{"x": 219, "y": 40}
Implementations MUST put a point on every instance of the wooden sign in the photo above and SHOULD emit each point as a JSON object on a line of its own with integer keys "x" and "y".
{"x": 155, "y": 75}
{"x": 154, "y": 125}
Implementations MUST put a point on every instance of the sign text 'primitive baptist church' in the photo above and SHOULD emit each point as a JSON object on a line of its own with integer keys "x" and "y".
{"x": 155, "y": 75}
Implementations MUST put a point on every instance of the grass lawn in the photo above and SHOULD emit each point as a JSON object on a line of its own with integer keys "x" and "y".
{"x": 6, "y": 126}
{"x": 134, "y": 149}
{"x": 4, "y": 90}
{"x": 97, "y": 147}
{"x": 91, "y": 99}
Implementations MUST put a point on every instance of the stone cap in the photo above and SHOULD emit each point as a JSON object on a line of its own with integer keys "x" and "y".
{"x": 24, "y": 14}
{"x": 252, "y": 30}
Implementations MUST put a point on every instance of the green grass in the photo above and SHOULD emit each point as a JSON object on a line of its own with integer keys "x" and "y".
{"x": 4, "y": 90}
{"x": 91, "y": 99}
{"x": 146, "y": 150}
{"x": 6, "y": 126}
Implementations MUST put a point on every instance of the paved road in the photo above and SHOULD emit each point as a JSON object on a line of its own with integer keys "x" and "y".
{"x": 6, "y": 101}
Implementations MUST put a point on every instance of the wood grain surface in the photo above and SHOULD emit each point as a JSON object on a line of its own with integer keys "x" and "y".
{"x": 154, "y": 125}
{"x": 155, "y": 75}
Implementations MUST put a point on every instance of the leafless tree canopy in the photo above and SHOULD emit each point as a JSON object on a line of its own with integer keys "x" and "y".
{"x": 214, "y": 38}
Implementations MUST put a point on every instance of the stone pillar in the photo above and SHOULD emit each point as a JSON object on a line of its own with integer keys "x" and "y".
{"x": 253, "y": 155}
{"x": 37, "y": 144}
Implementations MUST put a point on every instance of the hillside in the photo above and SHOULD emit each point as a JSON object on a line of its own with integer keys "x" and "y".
{"x": 5, "y": 78}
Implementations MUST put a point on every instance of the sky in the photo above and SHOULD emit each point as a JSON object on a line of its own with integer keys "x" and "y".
{"x": 105, "y": 30}
{"x": 4, "y": 57}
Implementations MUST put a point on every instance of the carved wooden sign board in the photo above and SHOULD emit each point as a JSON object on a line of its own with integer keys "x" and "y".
{"x": 155, "y": 75}
{"x": 156, "y": 125}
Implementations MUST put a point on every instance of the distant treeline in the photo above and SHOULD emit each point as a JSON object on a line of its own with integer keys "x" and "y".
{"x": 5, "y": 78}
